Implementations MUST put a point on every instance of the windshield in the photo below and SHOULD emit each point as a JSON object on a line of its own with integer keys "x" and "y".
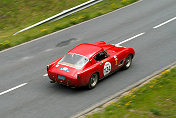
{"x": 74, "y": 60}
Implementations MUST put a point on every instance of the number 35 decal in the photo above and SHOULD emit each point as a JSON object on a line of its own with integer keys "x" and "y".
{"x": 107, "y": 68}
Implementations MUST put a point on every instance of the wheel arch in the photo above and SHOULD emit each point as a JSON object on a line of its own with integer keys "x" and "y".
{"x": 131, "y": 55}
{"x": 130, "y": 51}
{"x": 97, "y": 74}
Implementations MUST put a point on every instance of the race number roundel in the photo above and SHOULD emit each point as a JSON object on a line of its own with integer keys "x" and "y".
{"x": 107, "y": 68}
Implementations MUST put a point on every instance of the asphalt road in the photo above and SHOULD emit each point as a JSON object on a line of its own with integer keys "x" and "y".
{"x": 25, "y": 64}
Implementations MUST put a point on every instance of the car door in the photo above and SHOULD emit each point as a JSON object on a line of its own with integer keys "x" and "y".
{"x": 105, "y": 63}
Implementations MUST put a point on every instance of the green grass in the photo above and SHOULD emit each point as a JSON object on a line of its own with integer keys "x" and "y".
{"x": 18, "y": 14}
{"x": 156, "y": 99}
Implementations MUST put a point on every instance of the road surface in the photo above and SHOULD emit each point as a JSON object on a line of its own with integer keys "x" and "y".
{"x": 25, "y": 91}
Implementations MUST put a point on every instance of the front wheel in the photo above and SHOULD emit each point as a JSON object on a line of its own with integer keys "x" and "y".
{"x": 128, "y": 62}
{"x": 93, "y": 81}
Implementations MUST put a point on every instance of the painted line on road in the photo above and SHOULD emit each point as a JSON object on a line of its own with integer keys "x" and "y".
{"x": 70, "y": 27}
{"x": 26, "y": 58}
{"x": 4, "y": 92}
{"x": 47, "y": 50}
{"x": 45, "y": 75}
{"x": 164, "y": 23}
{"x": 131, "y": 38}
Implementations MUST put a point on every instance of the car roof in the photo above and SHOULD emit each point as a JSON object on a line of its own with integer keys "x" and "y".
{"x": 87, "y": 50}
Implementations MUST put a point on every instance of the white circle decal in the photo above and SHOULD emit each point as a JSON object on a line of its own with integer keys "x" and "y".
{"x": 107, "y": 68}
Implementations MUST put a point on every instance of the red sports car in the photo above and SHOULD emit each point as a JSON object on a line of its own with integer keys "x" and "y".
{"x": 86, "y": 64}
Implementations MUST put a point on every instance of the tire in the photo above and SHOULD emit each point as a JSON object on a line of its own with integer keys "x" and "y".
{"x": 93, "y": 81}
{"x": 128, "y": 62}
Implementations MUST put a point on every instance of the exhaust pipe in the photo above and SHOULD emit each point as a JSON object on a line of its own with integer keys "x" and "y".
{"x": 52, "y": 81}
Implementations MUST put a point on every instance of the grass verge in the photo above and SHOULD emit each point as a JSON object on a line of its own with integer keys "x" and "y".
{"x": 18, "y": 14}
{"x": 156, "y": 99}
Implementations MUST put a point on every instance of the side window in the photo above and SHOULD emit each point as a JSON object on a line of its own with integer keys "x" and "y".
{"x": 100, "y": 56}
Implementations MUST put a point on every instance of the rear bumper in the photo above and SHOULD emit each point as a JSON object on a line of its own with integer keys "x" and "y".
{"x": 68, "y": 81}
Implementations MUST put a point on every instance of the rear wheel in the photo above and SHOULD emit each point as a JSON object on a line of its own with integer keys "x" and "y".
{"x": 128, "y": 62}
{"x": 93, "y": 81}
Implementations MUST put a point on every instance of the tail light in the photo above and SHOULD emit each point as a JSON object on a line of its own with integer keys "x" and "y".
{"x": 47, "y": 67}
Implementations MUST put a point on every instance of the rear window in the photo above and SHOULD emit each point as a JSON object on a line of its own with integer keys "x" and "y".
{"x": 74, "y": 60}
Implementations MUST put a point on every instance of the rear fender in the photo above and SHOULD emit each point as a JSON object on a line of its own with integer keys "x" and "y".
{"x": 54, "y": 63}
{"x": 86, "y": 74}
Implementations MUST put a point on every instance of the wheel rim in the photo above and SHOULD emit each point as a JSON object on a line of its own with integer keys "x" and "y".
{"x": 94, "y": 80}
{"x": 128, "y": 61}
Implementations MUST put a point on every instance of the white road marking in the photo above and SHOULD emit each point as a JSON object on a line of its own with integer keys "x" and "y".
{"x": 165, "y": 22}
{"x": 26, "y": 58}
{"x": 4, "y": 92}
{"x": 47, "y": 50}
{"x": 131, "y": 38}
{"x": 45, "y": 75}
